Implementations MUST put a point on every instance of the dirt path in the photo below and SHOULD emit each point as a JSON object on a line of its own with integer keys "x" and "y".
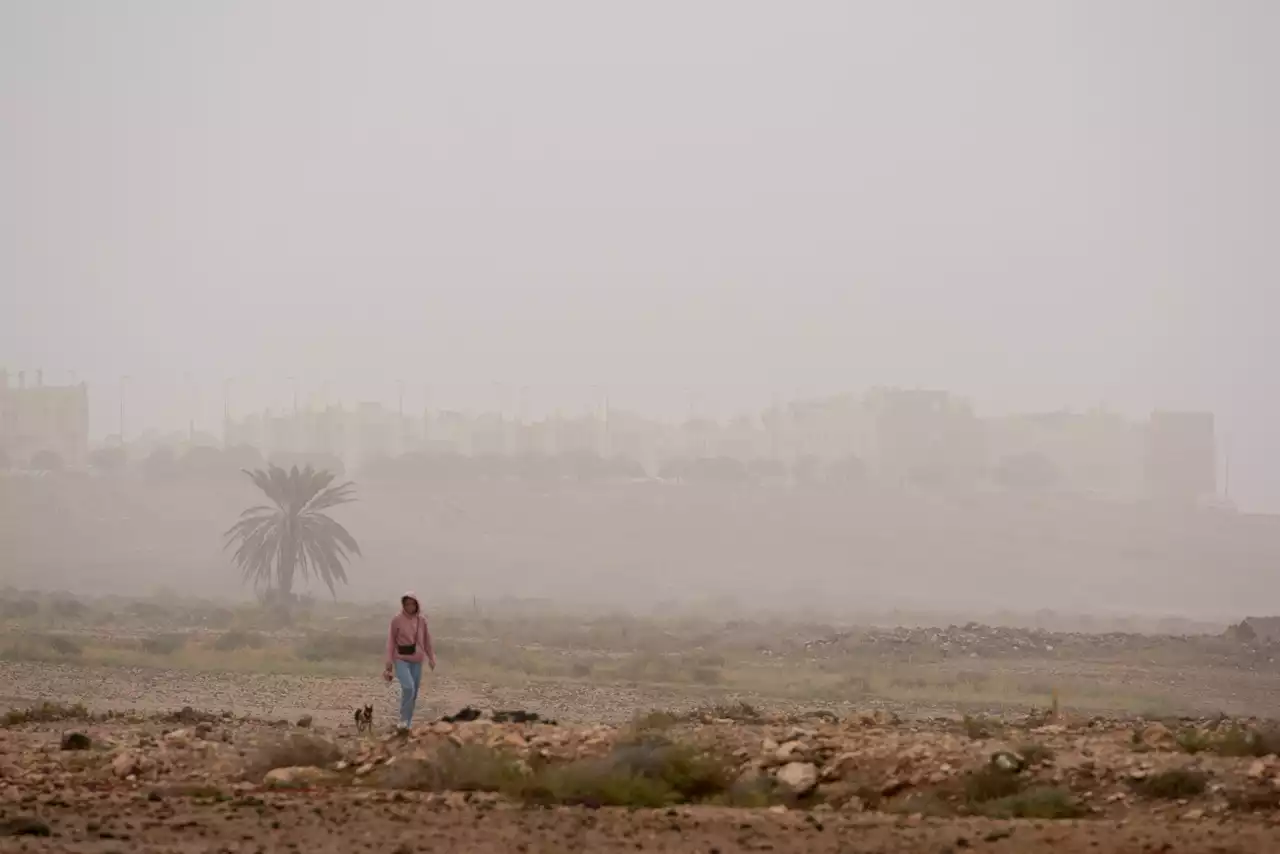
{"x": 330, "y": 699}
{"x": 349, "y": 822}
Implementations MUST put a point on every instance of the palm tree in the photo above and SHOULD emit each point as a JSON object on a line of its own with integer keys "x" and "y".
{"x": 294, "y": 532}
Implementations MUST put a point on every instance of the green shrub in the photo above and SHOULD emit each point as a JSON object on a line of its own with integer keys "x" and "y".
{"x": 707, "y": 676}
{"x": 18, "y": 609}
{"x": 166, "y": 644}
{"x": 465, "y": 768}
{"x": 655, "y": 721}
{"x": 1244, "y": 741}
{"x": 979, "y": 728}
{"x": 46, "y": 712}
{"x": 991, "y": 783}
{"x": 65, "y": 645}
{"x": 648, "y": 772}
{"x": 1174, "y": 784}
{"x": 38, "y": 647}
{"x": 1232, "y": 740}
{"x": 331, "y": 647}
{"x": 1038, "y": 803}
{"x": 238, "y": 639}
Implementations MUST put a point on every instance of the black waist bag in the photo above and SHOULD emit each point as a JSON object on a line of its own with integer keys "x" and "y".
{"x": 407, "y": 648}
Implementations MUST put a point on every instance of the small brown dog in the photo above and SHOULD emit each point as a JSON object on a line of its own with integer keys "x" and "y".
{"x": 364, "y": 719}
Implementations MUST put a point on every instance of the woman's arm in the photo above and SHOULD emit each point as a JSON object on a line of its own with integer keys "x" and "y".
{"x": 426, "y": 644}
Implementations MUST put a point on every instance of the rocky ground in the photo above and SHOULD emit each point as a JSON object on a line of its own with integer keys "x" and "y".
{"x": 191, "y": 781}
{"x": 979, "y": 641}
{"x": 861, "y": 773}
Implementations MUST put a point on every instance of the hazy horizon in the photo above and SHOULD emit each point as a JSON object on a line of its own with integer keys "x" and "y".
{"x": 1036, "y": 206}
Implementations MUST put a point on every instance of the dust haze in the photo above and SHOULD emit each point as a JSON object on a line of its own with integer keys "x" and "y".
{"x": 831, "y": 308}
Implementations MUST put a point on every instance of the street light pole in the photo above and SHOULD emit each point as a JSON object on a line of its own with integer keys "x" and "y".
{"x": 226, "y": 413}
{"x": 123, "y": 381}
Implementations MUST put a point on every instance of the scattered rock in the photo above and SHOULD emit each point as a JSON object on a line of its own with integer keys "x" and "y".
{"x": 788, "y": 752}
{"x": 125, "y": 765}
{"x": 305, "y": 722}
{"x": 1007, "y": 760}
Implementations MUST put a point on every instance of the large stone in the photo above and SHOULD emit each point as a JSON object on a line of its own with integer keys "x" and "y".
{"x": 798, "y": 778}
{"x": 789, "y": 752}
{"x": 1007, "y": 760}
{"x": 178, "y": 738}
{"x": 125, "y": 764}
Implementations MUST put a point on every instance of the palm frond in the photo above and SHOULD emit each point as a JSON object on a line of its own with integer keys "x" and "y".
{"x": 331, "y": 497}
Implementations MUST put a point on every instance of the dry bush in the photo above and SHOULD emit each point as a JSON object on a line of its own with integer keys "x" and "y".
{"x": 739, "y": 711}
{"x": 647, "y": 772}
{"x": 335, "y": 647}
{"x": 990, "y": 784}
{"x": 980, "y": 727}
{"x": 298, "y": 749}
{"x": 1041, "y": 802}
{"x": 1174, "y": 784}
{"x": 166, "y": 644}
{"x": 1233, "y": 740}
{"x": 466, "y": 768}
{"x": 41, "y": 647}
{"x": 238, "y": 639}
{"x": 47, "y": 712}
{"x": 655, "y": 721}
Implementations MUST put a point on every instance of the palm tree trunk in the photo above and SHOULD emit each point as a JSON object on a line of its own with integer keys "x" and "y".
{"x": 288, "y": 562}
{"x": 285, "y": 573}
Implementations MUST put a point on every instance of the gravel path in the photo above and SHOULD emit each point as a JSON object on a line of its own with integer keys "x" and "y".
{"x": 330, "y": 699}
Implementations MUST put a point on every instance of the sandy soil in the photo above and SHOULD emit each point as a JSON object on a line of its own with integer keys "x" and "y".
{"x": 346, "y": 822}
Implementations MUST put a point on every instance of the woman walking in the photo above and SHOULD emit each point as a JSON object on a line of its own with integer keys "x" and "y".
{"x": 407, "y": 647}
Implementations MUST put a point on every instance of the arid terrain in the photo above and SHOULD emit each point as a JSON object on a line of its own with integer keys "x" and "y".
{"x": 185, "y": 725}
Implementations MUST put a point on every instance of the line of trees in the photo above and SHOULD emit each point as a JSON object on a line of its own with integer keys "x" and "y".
{"x": 1025, "y": 473}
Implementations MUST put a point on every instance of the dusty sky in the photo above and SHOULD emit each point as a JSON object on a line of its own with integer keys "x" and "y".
{"x": 1035, "y": 204}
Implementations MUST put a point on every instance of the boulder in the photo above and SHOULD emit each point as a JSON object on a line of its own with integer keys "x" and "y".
{"x": 798, "y": 778}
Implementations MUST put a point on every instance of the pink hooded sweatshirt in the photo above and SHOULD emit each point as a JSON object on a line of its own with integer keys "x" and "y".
{"x": 410, "y": 629}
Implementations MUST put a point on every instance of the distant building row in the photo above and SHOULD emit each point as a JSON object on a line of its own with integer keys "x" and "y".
{"x": 39, "y": 420}
{"x": 898, "y": 434}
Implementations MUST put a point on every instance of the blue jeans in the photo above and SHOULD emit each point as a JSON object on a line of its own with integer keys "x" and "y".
{"x": 409, "y": 674}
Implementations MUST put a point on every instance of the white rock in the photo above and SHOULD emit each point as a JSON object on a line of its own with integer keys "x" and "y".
{"x": 799, "y": 778}
{"x": 124, "y": 765}
{"x": 298, "y": 776}
{"x": 786, "y": 752}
